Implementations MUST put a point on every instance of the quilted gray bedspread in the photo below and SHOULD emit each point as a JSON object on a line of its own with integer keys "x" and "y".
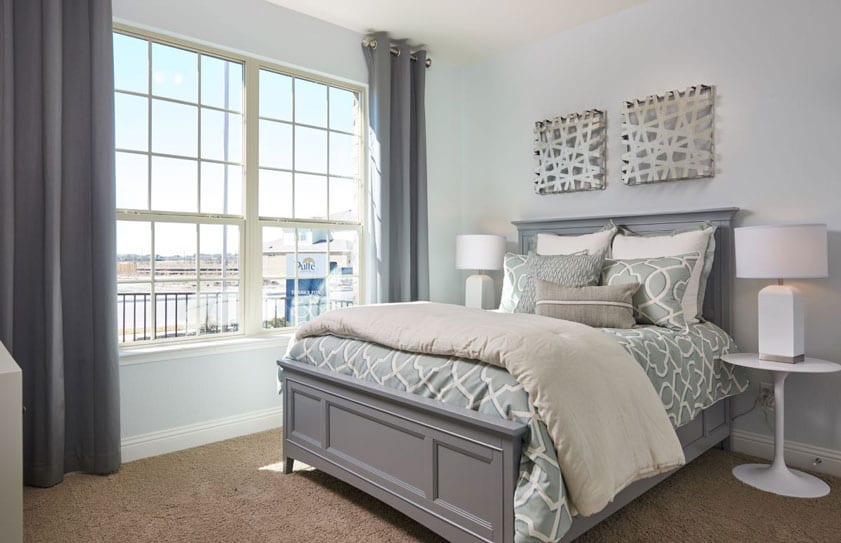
{"x": 682, "y": 365}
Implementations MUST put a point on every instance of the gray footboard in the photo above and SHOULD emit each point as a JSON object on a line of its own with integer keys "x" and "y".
{"x": 451, "y": 469}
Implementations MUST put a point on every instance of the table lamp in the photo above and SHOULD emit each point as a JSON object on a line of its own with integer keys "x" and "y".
{"x": 479, "y": 252}
{"x": 781, "y": 252}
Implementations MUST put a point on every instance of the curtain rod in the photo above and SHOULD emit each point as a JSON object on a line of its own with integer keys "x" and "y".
{"x": 372, "y": 43}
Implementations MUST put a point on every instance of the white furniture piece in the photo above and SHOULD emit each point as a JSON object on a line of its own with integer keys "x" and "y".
{"x": 781, "y": 252}
{"x": 777, "y": 477}
{"x": 479, "y": 252}
{"x": 11, "y": 449}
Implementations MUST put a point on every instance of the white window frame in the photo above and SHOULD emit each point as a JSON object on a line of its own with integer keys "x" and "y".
{"x": 251, "y": 224}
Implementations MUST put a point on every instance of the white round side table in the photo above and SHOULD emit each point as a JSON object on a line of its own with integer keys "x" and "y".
{"x": 777, "y": 477}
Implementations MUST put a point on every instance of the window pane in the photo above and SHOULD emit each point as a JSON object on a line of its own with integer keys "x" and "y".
{"x": 275, "y": 194}
{"x": 310, "y": 300}
{"x": 132, "y": 173}
{"x": 214, "y": 180}
{"x": 218, "y": 307}
{"x": 310, "y": 150}
{"x": 174, "y": 184}
{"x": 343, "y": 282}
{"x": 342, "y": 291}
{"x": 343, "y": 110}
{"x": 310, "y": 196}
{"x": 311, "y": 268}
{"x": 279, "y": 272}
{"x": 174, "y": 128}
{"x": 131, "y": 63}
{"x": 344, "y": 155}
{"x": 275, "y": 307}
{"x": 174, "y": 73}
{"x": 219, "y": 254}
{"x": 134, "y": 312}
{"x": 275, "y": 96}
{"x": 344, "y": 252}
{"x": 134, "y": 250}
{"x": 175, "y": 250}
{"x": 278, "y": 243}
{"x": 131, "y": 122}
{"x": 221, "y": 136}
{"x": 221, "y": 83}
{"x": 176, "y": 309}
{"x": 310, "y": 103}
{"x": 275, "y": 145}
{"x": 343, "y": 199}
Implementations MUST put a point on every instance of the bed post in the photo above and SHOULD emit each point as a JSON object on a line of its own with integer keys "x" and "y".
{"x": 288, "y": 464}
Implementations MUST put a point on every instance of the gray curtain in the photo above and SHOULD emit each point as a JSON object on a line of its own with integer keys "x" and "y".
{"x": 397, "y": 241}
{"x": 57, "y": 241}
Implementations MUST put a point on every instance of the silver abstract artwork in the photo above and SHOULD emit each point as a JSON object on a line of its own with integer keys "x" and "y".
{"x": 669, "y": 137}
{"x": 569, "y": 153}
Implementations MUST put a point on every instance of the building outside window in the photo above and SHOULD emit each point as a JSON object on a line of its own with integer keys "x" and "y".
{"x": 238, "y": 192}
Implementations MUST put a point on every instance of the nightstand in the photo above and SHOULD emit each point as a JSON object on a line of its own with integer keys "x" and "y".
{"x": 777, "y": 477}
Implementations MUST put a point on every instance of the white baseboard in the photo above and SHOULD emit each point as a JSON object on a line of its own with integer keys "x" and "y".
{"x": 202, "y": 433}
{"x": 798, "y": 455}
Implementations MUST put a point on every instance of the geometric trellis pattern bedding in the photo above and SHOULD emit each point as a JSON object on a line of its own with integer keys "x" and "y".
{"x": 663, "y": 282}
{"x": 517, "y": 276}
{"x": 685, "y": 366}
{"x": 681, "y": 365}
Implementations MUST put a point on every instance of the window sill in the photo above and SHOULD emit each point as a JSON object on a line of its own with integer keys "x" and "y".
{"x": 173, "y": 351}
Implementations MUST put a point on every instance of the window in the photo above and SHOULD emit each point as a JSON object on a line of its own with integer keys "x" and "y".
{"x": 309, "y": 171}
{"x": 207, "y": 244}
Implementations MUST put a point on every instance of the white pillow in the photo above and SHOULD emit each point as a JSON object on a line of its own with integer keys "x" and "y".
{"x": 694, "y": 241}
{"x": 553, "y": 244}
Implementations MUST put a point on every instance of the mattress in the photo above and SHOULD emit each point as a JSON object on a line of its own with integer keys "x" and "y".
{"x": 682, "y": 366}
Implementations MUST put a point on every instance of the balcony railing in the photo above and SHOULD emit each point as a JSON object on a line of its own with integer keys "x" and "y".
{"x": 177, "y": 314}
{"x": 180, "y": 314}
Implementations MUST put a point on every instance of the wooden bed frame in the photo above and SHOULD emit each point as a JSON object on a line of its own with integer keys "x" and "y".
{"x": 452, "y": 469}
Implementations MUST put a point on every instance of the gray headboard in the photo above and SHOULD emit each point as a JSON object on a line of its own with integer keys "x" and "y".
{"x": 717, "y": 305}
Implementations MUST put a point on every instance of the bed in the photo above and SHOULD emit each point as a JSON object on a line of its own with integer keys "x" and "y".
{"x": 456, "y": 470}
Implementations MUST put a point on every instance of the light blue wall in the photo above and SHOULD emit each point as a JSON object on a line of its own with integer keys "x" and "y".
{"x": 778, "y": 76}
{"x": 172, "y": 393}
{"x": 257, "y": 27}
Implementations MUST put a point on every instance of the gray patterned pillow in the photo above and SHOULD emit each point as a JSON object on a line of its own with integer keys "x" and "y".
{"x": 663, "y": 282}
{"x": 515, "y": 278}
{"x": 564, "y": 270}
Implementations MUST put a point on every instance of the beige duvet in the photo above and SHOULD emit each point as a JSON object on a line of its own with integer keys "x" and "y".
{"x": 607, "y": 422}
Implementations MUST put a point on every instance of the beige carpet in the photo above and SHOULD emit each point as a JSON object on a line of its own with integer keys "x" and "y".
{"x": 232, "y": 491}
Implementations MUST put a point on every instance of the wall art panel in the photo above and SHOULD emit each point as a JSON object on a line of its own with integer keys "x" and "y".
{"x": 669, "y": 137}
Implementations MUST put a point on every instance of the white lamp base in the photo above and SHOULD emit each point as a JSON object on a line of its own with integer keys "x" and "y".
{"x": 479, "y": 292}
{"x": 781, "y": 324}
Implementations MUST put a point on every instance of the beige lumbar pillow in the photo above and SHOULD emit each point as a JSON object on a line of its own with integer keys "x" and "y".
{"x": 630, "y": 247}
{"x": 553, "y": 244}
{"x": 601, "y": 307}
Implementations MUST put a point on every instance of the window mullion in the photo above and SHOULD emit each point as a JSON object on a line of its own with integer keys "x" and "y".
{"x": 198, "y": 133}
{"x": 252, "y": 276}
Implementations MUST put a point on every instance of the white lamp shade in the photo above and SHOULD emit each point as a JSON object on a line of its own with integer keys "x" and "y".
{"x": 479, "y": 252}
{"x": 781, "y": 252}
